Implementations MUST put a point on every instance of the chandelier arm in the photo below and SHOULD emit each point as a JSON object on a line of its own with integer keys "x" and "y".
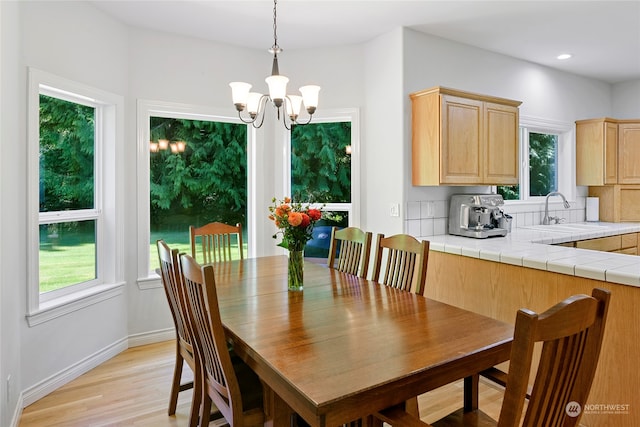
{"x": 305, "y": 123}
{"x": 243, "y": 120}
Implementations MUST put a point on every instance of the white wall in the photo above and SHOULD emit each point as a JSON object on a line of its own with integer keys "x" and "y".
{"x": 626, "y": 100}
{"x": 545, "y": 93}
{"x": 12, "y": 221}
{"x": 74, "y": 41}
{"x": 384, "y": 143}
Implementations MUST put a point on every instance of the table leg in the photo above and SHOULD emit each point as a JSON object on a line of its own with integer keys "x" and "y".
{"x": 471, "y": 385}
{"x": 277, "y": 412}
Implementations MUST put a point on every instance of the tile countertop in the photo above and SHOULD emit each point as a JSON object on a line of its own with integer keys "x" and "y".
{"x": 532, "y": 247}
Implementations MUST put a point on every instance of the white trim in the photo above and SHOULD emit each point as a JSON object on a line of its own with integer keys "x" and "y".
{"x": 75, "y": 301}
{"x": 70, "y": 373}
{"x": 566, "y": 156}
{"x": 145, "y": 110}
{"x": 52, "y": 383}
{"x": 108, "y": 206}
{"x": 351, "y": 115}
{"x": 152, "y": 337}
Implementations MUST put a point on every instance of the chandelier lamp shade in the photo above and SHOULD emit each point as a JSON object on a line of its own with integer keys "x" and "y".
{"x": 254, "y": 103}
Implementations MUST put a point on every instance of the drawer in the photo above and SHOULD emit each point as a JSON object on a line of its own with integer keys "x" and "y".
{"x": 628, "y": 251}
{"x": 629, "y": 240}
{"x": 605, "y": 244}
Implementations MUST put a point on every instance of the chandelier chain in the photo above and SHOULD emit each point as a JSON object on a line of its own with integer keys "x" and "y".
{"x": 275, "y": 46}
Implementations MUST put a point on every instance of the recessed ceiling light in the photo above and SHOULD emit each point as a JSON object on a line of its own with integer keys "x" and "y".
{"x": 564, "y": 56}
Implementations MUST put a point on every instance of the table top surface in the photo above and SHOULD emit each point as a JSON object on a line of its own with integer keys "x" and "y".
{"x": 345, "y": 346}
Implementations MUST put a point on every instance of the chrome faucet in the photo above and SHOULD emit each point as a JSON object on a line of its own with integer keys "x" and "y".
{"x": 553, "y": 219}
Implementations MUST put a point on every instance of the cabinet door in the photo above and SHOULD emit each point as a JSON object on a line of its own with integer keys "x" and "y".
{"x": 501, "y": 144}
{"x": 629, "y": 153}
{"x": 461, "y": 143}
{"x": 610, "y": 153}
{"x": 596, "y": 152}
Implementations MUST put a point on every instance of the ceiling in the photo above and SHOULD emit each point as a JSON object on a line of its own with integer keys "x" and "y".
{"x": 602, "y": 36}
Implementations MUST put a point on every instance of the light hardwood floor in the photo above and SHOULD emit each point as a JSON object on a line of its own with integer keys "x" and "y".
{"x": 132, "y": 389}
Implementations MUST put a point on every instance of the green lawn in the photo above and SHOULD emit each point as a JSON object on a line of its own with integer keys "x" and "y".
{"x": 70, "y": 263}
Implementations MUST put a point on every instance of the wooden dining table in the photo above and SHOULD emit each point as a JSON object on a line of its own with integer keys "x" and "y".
{"x": 345, "y": 347}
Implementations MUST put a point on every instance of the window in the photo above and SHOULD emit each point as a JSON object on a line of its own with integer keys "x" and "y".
{"x": 323, "y": 167}
{"x": 73, "y": 237}
{"x": 198, "y": 175}
{"x": 192, "y": 165}
{"x": 545, "y": 163}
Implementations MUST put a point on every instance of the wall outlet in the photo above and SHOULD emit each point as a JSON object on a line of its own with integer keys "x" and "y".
{"x": 395, "y": 209}
{"x": 430, "y": 209}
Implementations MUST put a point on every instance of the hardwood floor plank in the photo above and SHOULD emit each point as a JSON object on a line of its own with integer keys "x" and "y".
{"x": 132, "y": 389}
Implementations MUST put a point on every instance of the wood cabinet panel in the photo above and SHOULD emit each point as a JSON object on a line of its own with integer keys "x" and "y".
{"x": 604, "y": 244}
{"x": 618, "y": 203}
{"x": 596, "y": 152}
{"x": 501, "y": 157}
{"x": 462, "y": 154}
{"x": 461, "y": 138}
{"x": 499, "y": 290}
{"x": 629, "y": 153}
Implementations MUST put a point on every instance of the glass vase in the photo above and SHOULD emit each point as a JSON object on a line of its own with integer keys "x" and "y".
{"x": 295, "y": 276}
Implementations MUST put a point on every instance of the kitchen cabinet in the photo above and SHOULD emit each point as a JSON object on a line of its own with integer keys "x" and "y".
{"x": 462, "y": 138}
{"x": 623, "y": 243}
{"x": 629, "y": 152}
{"x": 607, "y": 151}
{"x": 596, "y": 152}
{"x": 618, "y": 203}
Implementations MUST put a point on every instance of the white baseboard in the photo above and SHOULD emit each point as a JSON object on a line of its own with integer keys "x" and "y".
{"x": 152, "y": 337}
{"x": 17, "y": 413}
{"x": 56, "y": 381}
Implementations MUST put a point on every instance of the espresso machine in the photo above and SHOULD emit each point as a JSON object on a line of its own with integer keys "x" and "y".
{"x": 478, "y": 216}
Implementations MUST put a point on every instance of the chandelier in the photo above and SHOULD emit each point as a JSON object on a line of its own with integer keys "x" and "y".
{"x": 255, "y": 103}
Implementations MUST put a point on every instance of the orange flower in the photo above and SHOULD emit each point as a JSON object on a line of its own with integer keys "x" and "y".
{"x": 282, "y": 210}
{"x": 295, "y": 218}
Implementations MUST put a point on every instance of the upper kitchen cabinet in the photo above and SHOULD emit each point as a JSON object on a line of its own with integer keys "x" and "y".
{"x": 596, "y": 152}
{"x": 462, "y": 138}
{"x": 607, "y": 152}
{"x": 629, "y": 152}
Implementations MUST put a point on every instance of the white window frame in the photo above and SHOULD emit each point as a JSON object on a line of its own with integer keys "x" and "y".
{"x": 147, "y": 109}
{"x": 109, "y": 136}
{"x": 565, "y": 159}
{"x": 334, "y": 116}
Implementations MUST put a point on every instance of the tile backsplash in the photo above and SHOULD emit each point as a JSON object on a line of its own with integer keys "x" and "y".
{"x": 430, "y": 217}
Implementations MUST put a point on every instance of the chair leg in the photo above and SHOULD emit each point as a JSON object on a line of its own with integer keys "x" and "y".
{"x": 205, "y": 410}
{"x": 196, "y": 401}
{"x": 175, "y": 385}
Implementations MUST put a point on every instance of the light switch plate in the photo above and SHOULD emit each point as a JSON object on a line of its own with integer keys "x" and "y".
{"x": 395, "y": 209}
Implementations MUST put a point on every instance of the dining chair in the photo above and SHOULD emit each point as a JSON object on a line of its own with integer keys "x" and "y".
{"x": 571, "y": 334}
{"x": 349, "y": 250}
{"x": 214, "y": 241}
{"x": 227, "y": 381}
{"x": 406, "y": 262}
{"x": 170, "y": 274}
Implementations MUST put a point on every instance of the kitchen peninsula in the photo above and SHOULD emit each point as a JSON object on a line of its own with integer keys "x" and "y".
{"x": 529, "y": 268}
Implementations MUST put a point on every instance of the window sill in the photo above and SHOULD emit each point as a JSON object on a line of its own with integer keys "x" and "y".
{"x": 73, "y": 302}
{"x": 151, "y": 282}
